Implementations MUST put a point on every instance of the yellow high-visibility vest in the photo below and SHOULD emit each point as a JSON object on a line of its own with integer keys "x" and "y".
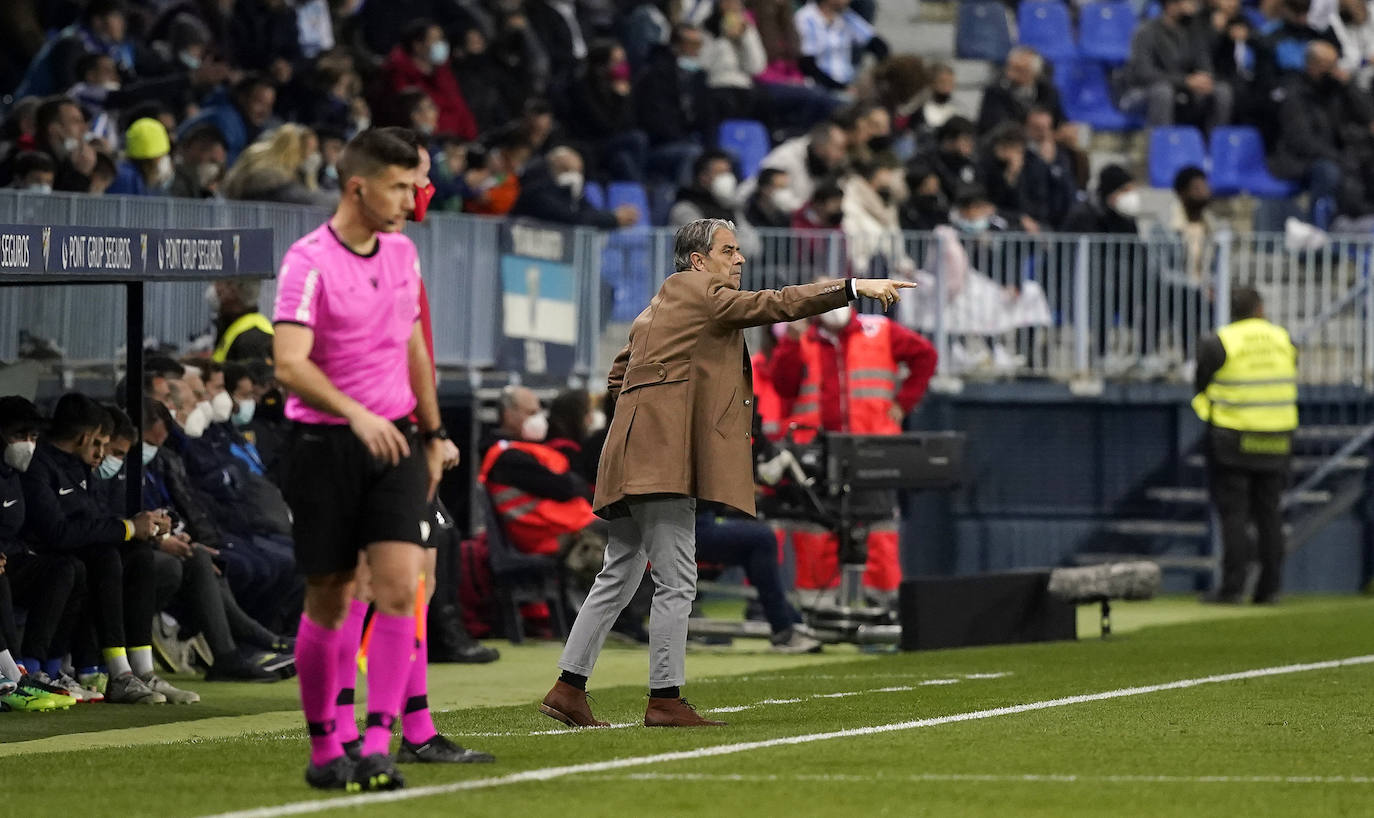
{"x": 1256, "y": 390}
{"x": 245, "y": 322}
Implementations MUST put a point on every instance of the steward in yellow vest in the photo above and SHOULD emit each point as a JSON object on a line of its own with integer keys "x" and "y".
{"x": 1247, "y": 393}
{"x": 242, "y": 332}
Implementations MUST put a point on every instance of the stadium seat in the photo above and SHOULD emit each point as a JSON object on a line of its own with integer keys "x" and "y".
{"x": 595, "y": 194}
{"x": 981, "y": 31}
{"x": 622, "y": 193}
{"x": 1082, "y": 85}
{"x": 1238, "y": 165}
{"x": 1044, "y": 25}
{"x": 747, "y": 140}
{"x": 1172, "y": 149}
{"x": 1104, "y": 30}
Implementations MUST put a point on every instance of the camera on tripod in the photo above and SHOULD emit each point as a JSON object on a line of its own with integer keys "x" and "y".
{"x": 848, "y": 482}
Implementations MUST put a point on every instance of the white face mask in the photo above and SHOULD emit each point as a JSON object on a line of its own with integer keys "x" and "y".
{"x": 311, "y": 166}
{"x": 43, "y": 189}
{"x": 570, "y": 179}
{"x": 165, "y": 170}
{"x": 723, "y": 188}
{"x": 1128, "y": 203}
{"x": 69, "y": 145}
{"x": 149, "y": 451}
{"x": 197, "y": 421}
{"x": 18, "y": 454}
{"x": 785, "y": 200}
{"x": 221, "y": 407}
{"x": 109, "y": 467}
{"x": 597, "y": 422}
{"x": 535, "y": 428}
{"x": 838, "y": 318}
{"x": 244, "y": 415}
{"x": 212, "y": 298}
{"x": 207, "y": 173}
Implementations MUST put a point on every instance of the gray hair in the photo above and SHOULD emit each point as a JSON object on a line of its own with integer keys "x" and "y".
{"x": 695, "y": 237}
{"x": 1037, "y": 62}
{"x": 247, "y": 289}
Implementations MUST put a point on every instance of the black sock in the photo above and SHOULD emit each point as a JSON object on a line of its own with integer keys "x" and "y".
{"x": 665, "y": 693}
{"x": 574, "y": 679}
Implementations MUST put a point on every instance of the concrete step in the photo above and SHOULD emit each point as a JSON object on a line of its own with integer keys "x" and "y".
{"x": 1198, "y": 496}
{"x": 1167, "y": 562}
{"x": 1298, "y": 464}
{"x": 1156, "y": 528}
{"x": 973, "y": 74}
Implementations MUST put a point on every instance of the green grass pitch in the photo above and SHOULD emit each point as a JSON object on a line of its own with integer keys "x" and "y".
{"x": 1299, "y": 741}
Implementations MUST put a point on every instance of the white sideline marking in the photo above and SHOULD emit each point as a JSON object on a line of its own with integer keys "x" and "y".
{"x": 550, "y": 773}
{"x": 1031, "y": 778}
{"x": 738, "y": 708}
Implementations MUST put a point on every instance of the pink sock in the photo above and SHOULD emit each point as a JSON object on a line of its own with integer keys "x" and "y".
{"x": 350, "y": 636}
{"x": 316, "y": 649}
{"x": 416, "y": 724}
{"x": 388, "y": 666}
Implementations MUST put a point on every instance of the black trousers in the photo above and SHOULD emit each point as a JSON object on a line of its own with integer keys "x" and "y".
{"x": 121, "y": 593}
{"x": 1244, "y": 497}
{"x": 51, "y": 588}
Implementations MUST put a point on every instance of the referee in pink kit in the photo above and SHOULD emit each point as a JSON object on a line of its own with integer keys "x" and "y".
{"x": 360, "y": 473}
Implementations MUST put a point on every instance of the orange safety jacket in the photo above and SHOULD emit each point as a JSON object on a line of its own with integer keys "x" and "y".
{"x": 534, "y": 524}
{"x": 868, "y": 383}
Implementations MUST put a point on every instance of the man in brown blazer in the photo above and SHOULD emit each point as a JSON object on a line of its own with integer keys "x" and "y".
{"x": 681, "y": 433}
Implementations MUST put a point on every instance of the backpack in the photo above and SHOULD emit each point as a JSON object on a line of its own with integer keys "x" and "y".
{"x": 475, "y": 587}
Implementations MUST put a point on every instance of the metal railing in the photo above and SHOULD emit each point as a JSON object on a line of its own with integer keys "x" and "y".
{"x": 1063, "y": 307}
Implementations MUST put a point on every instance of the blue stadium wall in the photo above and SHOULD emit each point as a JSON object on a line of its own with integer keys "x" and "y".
{"x": 1045, "y": 469}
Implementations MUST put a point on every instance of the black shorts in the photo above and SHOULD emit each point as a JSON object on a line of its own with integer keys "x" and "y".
{"x": 342, "y": 498}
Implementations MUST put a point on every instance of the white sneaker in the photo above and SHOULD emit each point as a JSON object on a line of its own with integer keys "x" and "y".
{"x": 795, "y": 640}
{"x": 77, "y": 690}
{"x": 174, "y": 695}
{"x": 126, "y": 688}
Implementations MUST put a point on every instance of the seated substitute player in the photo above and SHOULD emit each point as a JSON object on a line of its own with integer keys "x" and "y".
{"x": 360, "y": 474}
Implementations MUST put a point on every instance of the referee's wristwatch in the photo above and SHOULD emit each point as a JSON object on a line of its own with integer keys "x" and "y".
{"x": 436, "y": 434}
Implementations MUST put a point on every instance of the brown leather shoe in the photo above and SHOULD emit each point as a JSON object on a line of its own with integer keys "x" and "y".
{"x": 569, "y": 705}
{"x": 675, "y": 713}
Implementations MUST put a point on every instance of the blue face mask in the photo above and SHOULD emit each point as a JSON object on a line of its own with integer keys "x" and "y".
{"x": 689, "y": 64}
{"x": 110, "y": 466}
{"x": 970, "y": 226}
{"x": 243, "y": 415}
{"x": 438, "y": 53}
{"x": 149, "y": 452}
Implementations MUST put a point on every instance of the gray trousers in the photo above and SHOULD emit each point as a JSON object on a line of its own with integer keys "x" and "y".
{"x": 660, "y": 532}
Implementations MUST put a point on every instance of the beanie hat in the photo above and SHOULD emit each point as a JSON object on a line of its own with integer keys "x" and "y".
{"x": 147, "y": 139}
{"x": 1111, "y": 179}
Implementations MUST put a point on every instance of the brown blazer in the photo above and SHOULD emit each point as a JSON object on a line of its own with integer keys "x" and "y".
{"x": 684, "y": 408}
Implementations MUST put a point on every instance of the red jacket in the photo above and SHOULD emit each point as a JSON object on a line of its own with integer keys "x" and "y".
{"x": 907, "y": 347}
{"x": 401, "y": 72}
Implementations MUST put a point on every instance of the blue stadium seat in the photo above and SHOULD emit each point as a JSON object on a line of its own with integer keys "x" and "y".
{"x": 620, "y": 193}
{"x": 1173, "y": 149}
{"x": 1083, "y": 88}
{"x": 1104, "y": 30}
{"x": 747, "y": 140}
{"x": 596, "y": 195}
{"x": 1238, "y": 165}
{"x": 1045, "y": 26}
{"x": 981, "y": 31}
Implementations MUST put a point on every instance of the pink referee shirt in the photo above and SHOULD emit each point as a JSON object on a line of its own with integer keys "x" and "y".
{"x": 362, "y": 310}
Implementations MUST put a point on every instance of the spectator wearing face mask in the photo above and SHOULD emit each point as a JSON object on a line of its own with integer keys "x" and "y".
{"x": 538, "y": 496}
{"x": 928, "y": 207}
{"x": 552, "y": 190}
{"x": 60, "y": 130}
{"x": 811, "y": 160}
{"x": 872, "y": 228}
{"x": 148, "y": 170}
{"x": 33, "y": 171}
{"x": 843, "y": 374}
{"x": 240, "y": 116}
{"x": 199, "y": 160}
{"x": 773, "y": 203}
{"x": 421, "y": 60}
{"x": 1114, "y": 209}
{"x": 938, "y": 109}
{"x": 821, "y": 220}
{"x": 1023, "y": 85}
{"x": 283, "y": 166}
{"x": 712, "y": 194}
{"x": 955, "y": 156}
{"x": 1168, "y": 77}
{"x": 602, "y": 115}
{"x": 1051, "y": 171}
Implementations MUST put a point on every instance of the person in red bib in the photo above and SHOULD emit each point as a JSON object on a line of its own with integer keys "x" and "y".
{"x": 537, "y": 494}
{"x": 843, "y": 375}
